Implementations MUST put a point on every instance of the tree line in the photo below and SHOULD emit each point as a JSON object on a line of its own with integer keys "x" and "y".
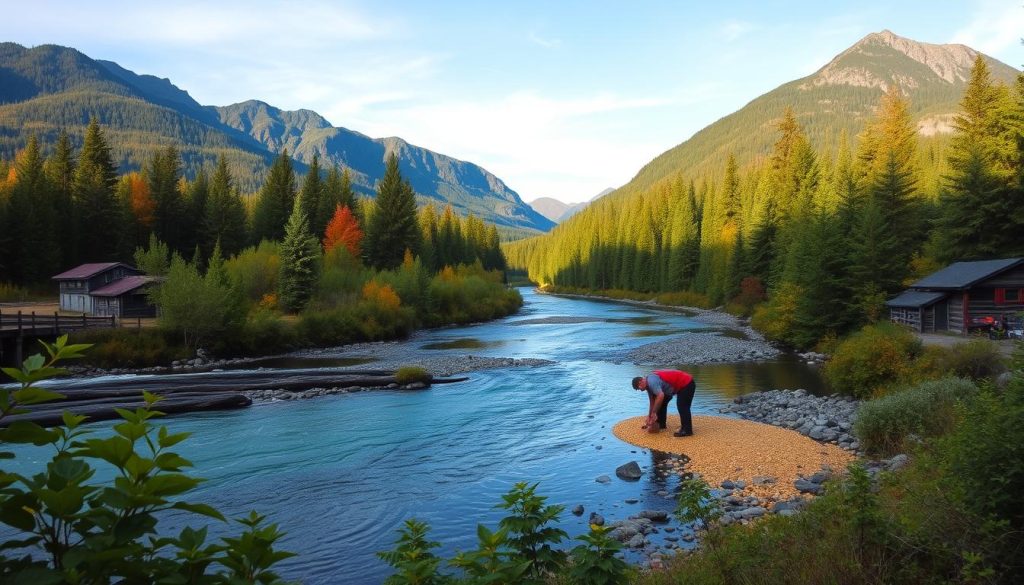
{"x": 823, "y": 238}
{"x": 67, "y": 208}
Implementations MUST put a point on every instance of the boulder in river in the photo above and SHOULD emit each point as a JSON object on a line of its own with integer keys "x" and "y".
{"x": 629, "y": 472}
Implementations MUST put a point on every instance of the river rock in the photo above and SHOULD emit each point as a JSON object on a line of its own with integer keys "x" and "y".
{"x": 596, "y": 519}
{"x": 807, "y": 487}
{"x": 577, "y": 510}
{"x": 603, "y": 479}
{"x": 654, "y": 515}
{"x": 898, "y": 462}
{"x": 629, "y": 472}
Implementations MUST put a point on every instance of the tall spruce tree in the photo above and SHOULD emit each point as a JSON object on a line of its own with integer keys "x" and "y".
{"x": 311, "y": 194}
{"x": 300, "y": 262}
{"x": 60, "y": 169}
{"x": 93, "y": 191}
{"x": 224, "y": 216}
{"x": 163, "y": 173}
{"x": 35, "y": 254}
{"x": 393, "y": 228}
{"x": 195, "y": 205}
{"x": 276, "y": 200}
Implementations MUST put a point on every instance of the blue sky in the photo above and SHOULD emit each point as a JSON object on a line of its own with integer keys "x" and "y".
{"x": 558, "y": 99}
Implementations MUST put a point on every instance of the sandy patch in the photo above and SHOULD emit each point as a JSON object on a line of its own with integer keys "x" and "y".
{"x": 733, "y": 449}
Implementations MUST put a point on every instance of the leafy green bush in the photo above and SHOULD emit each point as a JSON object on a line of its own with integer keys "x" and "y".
{"x": 595, "y": 562}
{"x": 928, "y": 409}
{"x": 984, "y": 468}
{"x": 410, "y": 374}
{"x": 872, "y": 360}
{"x": 12, "y": 293}
{"x": 775, "y": 318}
{"x": 71, "y": 529}
{"x": 530, "y": 533}
{"x": 977, "y": 359}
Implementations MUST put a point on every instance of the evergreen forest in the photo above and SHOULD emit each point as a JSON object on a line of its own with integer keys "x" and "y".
{"x": 811, "y": 241}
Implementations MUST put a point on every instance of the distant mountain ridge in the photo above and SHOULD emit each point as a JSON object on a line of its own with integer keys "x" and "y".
{"x": 841, "y": 95}
{"x": 47, "y": 88}
{"x": 558, "y": 211}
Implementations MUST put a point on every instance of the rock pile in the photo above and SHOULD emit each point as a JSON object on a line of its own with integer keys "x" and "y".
{"x": 702, "y": 348}
{"x": 828, "y": 419}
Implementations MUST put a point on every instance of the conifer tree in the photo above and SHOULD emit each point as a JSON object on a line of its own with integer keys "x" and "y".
{"x": 195, "y": 204}
{"x": 93, "y": 191}
{"x": 276, "y": 200}
{"x": 34, "y": 252}
{"x": 393, "y": 227}
{"x": 224, "y": 216}
{"x": 60, "y": 170}
{"x": 311, "y": 194}
{"x": 330, "y": 197}
{"x": 300, "y": 262}
{"x": 163, "y": 174}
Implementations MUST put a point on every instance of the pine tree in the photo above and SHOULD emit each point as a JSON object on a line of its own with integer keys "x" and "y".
{"x": 35, "y": 255}
{"x": 311, "y": 194}
{"x": 93, "y": 191}
{"x": 300, "y": 262}
{"x": 224, "y": 216}
{"x": 276, "y": 200}
{"x": 196, "y": 203}
{"x": 60, "y": 169}
{"x": 393, "y": 227}
{"x": 163, "y": 174}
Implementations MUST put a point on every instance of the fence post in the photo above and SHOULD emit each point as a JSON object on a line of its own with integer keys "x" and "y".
{"x": 19, "y": 325}
{"x": 56, "y": 323}
{"x": 83, "y": 321}
{"x": 33, "y": 321}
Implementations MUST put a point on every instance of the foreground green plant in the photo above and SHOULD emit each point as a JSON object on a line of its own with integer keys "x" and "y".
{"x": 72, "y": 529}
{"x": 531, "y": 530}
{"x": 596, "y": 562}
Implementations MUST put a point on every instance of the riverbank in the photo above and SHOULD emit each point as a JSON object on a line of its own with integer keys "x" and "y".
{"x": 731, "y": 340}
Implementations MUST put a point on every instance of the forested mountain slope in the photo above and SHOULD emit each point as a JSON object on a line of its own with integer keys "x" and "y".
{"x": 48, "y": 88}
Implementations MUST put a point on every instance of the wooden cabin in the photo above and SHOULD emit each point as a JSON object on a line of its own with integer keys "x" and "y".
{"x": 124, "y": 298}
{"x": 962, "y": 297}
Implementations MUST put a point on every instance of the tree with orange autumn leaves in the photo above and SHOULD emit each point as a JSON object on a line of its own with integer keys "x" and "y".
{"x": 343, "y": 229}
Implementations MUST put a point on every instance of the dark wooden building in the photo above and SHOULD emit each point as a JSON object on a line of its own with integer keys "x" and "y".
{"x": 77, "y": 284}
{"x": 124, "y": 298}
{"x": 962, "y": 296}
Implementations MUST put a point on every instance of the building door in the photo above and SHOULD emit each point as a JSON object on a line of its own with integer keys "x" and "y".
{"x": 941, "y": 316}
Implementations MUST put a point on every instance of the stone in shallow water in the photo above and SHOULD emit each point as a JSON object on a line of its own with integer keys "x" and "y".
{"x": 630, "y": 471}
{"x": 603, "y": 479}
{"x": 577, "y": 510}
{"x": 596, "y": 519}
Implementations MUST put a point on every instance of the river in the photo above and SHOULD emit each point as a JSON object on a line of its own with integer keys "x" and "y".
{"x": 340, "y": 474}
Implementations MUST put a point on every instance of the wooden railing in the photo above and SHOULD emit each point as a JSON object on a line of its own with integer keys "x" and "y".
{"x": 56, "y": 323}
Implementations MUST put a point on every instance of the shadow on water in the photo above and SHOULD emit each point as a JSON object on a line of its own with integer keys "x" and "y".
{"x": 732, "y": 380}
{"x": 464, "y": 343}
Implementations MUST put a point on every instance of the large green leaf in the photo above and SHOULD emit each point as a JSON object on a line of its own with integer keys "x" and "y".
{"x": 22, "y": 431}
{"x": 203, "y": 509}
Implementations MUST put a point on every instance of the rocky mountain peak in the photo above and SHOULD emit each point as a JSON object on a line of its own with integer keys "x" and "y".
{"x": 868, "y": 62}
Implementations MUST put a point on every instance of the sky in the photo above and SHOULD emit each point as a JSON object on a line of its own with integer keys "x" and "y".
{"x": 558, "y": 99}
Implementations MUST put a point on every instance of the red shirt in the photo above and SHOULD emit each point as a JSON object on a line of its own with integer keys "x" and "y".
{"x": 675, "y": 378}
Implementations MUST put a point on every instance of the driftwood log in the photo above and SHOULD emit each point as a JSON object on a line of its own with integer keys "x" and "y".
{"x": 192, "y": 392}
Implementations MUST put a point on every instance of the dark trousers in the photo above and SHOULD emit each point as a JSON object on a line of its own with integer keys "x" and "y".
{"x": 684, "y": 398}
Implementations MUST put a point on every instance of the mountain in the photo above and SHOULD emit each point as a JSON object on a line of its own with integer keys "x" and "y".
{"x": 435, "y": 177}
{"x": 839, "y": 96}
{"x": 549, "y": 208}
{"x": 558, "y": 211}
{"x": 48, "y": 88}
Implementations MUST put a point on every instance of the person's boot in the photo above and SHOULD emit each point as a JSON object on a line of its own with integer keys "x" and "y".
{"x": 682, "y": 433}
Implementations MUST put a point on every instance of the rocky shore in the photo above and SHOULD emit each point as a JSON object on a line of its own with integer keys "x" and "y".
{"x": 702, "y": 348}
{"x": 828, "y": 419}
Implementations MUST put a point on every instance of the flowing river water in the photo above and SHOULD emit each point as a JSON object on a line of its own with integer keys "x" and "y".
{"x": 340, "y": 474}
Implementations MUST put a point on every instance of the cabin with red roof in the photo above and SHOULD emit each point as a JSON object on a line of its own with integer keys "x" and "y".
{"x": 106, "y": 289}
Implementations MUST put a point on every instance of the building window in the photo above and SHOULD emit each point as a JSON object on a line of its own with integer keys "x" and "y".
{"x": 1009, "y": 296}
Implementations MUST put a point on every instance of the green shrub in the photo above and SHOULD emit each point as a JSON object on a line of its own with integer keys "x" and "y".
{"x": 775, "y": 318}
{"x": 984, "y": 469}
{"x": 683, "y": 298}
{"x": 977, "y": 359}
{"x": 410, "y": 374}
{"x": 928, "y": 409}
{"x": 874, "y": 359}
{"x": 12, "y": 293}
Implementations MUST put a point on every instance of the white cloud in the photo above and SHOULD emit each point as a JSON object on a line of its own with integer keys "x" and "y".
{"x": 997, "y": 27}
